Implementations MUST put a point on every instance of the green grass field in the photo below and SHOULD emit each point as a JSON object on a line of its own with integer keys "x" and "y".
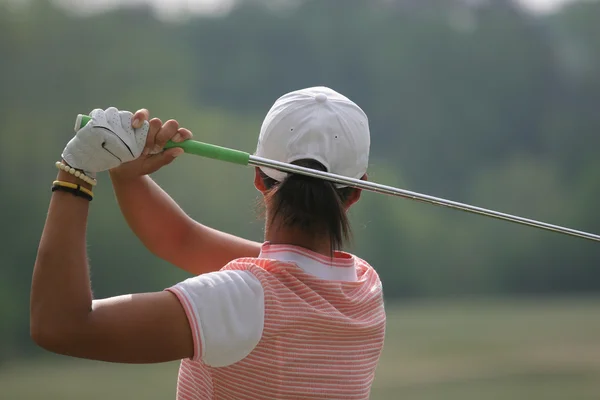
{"x": 466, "y": 350}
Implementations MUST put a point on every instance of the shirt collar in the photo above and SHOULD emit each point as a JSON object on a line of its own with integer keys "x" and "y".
{"x": 339, "y": 268}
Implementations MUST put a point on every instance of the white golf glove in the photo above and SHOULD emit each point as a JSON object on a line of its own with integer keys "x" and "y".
{"x": 106, "y": 142}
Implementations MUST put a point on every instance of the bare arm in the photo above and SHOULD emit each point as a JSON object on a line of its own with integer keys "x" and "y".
{"x": 164, "y": 228}
{"x": 64, "y": 319}
{"x": 169, "y": 233}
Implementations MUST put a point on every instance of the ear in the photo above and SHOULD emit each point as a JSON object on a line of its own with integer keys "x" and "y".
{"x": 355, "y": 196}
{"x": 258, "y": 181}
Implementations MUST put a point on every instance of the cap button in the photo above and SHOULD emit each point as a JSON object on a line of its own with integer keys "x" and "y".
{"x": 321, "y": 98}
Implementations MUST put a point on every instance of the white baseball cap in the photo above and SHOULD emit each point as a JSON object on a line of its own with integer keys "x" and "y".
{"x": 320, "y": 124}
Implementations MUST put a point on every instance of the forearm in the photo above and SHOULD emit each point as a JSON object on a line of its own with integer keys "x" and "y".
{"x": 155, "y": 218}
{"x": 61, "y": 294}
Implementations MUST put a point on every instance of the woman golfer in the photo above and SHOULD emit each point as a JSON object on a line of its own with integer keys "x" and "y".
{"x": 293, "y": 317}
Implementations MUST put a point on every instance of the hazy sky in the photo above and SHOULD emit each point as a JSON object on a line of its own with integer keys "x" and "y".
{"x": 164, "y": 6}
{"x": 178, "y": 6}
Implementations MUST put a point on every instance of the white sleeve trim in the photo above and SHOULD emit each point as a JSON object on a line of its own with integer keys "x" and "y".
{"x": 228, "y": 310}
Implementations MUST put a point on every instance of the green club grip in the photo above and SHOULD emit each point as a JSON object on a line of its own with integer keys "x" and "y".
{"x": 192, "y": 147}
{"x": 211, "y": 151}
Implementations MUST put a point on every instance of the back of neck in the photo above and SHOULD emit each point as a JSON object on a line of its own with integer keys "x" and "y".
{"x": 295, "y": 237}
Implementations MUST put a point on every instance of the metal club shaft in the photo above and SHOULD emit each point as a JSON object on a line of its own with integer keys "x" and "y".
{"x": 242, "y": 158}
{"x": 378, "y": 188}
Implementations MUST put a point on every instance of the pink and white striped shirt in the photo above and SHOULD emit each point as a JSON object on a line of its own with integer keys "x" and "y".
{"x": 290, "y": 324}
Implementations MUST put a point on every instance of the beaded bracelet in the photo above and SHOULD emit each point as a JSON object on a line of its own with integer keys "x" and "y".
{"x": 77, "y": 173}
{"x": 78, "y": 192}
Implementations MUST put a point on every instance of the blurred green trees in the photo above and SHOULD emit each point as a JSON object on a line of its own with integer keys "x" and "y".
{"x": 485, "y": 105}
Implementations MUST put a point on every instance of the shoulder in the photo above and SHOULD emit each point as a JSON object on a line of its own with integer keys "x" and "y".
{"x": 264, "y": 269}
{"x": 224, "y": 280}
{"x": 364, "y": 268}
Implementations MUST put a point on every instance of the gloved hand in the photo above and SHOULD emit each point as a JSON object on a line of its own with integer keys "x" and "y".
{"x": 106, "y": 142}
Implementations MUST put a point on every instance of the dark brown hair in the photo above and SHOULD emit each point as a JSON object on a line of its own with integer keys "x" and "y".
{"x": 310, "y": 204}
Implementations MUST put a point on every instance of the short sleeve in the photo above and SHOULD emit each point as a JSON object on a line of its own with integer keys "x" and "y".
{"x": 225, "y": 310}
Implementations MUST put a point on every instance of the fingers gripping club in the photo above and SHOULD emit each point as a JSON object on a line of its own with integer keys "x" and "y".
{"x": 192, "y": 147}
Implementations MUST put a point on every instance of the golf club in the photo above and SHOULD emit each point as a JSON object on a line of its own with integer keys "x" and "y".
{"x": 243, "y": 158}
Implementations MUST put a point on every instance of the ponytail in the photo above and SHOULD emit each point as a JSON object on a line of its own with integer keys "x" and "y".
{"x": 309, "y": 204}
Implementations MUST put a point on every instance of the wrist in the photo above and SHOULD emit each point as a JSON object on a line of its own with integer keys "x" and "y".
{"x": 77, "y": 174}
{"x": 118, "y": 175}
{"x": 67, "y": 177}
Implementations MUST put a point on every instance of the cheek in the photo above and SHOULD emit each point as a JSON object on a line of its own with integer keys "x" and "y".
{"x": 353, "y": 198}
{"x": 260, "y": 186}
